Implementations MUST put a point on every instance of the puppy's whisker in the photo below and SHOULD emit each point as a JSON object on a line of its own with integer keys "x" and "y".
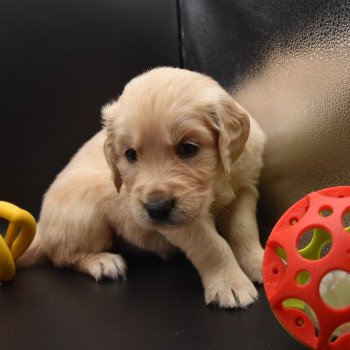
{"x": 216, "y": 215}
{"x": 221, "y": 208}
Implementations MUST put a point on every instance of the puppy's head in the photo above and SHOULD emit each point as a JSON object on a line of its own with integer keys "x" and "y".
{"x": 168, "y": 136}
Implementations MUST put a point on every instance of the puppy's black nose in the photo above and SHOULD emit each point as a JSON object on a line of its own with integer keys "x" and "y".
{"x": 159, "y": 209}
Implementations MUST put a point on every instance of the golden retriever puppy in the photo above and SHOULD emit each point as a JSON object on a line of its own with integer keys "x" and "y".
{"x": 177, "y": 157}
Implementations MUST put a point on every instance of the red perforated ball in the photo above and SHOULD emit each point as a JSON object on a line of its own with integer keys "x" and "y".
{"x": 293, "y": 270}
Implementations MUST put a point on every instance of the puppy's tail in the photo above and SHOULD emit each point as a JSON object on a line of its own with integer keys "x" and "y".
{"x": 33, "y": 255}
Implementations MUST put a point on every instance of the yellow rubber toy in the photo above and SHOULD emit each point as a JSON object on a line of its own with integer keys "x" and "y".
{"x": 20, "y": 233}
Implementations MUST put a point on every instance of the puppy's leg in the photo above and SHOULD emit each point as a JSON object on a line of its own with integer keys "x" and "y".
{"x": 74, "y": 233}
{"x": 241, "y": 231}
{"x": 224, "y": 282}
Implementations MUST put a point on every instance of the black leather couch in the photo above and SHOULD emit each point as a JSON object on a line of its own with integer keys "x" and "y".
{"x": 60, "y": 62}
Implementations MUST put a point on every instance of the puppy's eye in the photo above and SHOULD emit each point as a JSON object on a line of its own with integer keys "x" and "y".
{"x": 131, "y": 155}
{"x": 187, "y": 149}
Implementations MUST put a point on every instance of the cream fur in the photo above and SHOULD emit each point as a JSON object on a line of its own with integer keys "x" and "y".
{"x": 91, "y": 198}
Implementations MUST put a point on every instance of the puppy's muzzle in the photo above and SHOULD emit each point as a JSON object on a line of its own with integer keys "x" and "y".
{"x": 159, "y": 209}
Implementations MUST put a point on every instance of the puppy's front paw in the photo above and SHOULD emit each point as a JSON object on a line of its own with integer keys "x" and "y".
{"x": 251, "y": 263}
{"x": 103, "y": 265}
{"x": 231, "y": 292}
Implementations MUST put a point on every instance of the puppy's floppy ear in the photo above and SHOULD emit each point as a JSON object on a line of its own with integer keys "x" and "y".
{"x": 234, "y": 127}
{"x": 109, "y": 148}
{"x": 111, "y": 158}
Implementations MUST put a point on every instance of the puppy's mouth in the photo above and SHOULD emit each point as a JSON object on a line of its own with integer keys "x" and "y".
{"x": 167, "y": 222}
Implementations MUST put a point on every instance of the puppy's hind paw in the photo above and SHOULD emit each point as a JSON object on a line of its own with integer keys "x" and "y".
{"x": 103, "y": 265}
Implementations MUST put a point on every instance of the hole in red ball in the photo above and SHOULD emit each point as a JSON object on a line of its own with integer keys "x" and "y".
{"x": 346, "y": 220}
{"x": 293, "y": 221}
{"x": 334, "y": 289}
{"x": 275, "y": 271}
{"x": 340, "y": 331}
{"x": 282, "y": 254}
{"x": 326, "y": 211}
{"x": 301, "y": 305}
{"x": 315, "y": 243}
{"x": 303, "y": 277}
{"x": 299, "y": 322}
